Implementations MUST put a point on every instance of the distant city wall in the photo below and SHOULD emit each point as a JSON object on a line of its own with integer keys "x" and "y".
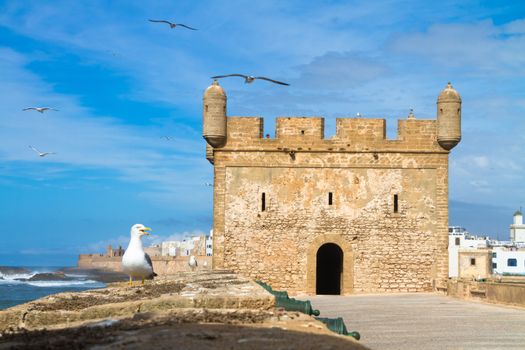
{"x": 509, "y": 292}
{"x": 162, "y": 265}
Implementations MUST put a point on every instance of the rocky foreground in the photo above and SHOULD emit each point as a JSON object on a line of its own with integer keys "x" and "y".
{"x": 202, "y": 310}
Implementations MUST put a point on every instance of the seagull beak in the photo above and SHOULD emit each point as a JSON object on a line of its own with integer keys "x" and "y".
{"x": 144, "y": 231}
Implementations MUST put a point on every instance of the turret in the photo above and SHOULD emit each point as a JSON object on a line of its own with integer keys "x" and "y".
{"x": 518, "y": 218}
{"x": 449, "y": 117}
{"x": 214, "y": 115}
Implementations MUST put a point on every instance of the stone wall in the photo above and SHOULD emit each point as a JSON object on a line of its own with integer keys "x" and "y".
{"x": 491, "y": 291}
{"x": 384, "y": 251}
{"x": 162, "y": 265}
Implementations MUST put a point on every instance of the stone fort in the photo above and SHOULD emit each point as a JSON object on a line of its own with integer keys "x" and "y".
{"x": 354, "y": 213}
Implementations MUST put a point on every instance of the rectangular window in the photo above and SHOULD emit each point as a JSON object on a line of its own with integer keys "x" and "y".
{"x": 494, "y": 255}
{"x": 494, "y": 265}
{"x": 396, "y": 206}
{"x": 263, "y": 201}
{"x": 329, "y": 198}
{"x": 512, "y": 262}
{"x": 472, "y": 261}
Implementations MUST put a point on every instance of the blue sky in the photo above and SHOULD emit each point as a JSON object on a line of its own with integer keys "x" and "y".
{"x": 121, "y": 83}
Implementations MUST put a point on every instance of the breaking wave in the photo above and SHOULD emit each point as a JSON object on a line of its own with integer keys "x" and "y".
{"x": 74, "y": 280}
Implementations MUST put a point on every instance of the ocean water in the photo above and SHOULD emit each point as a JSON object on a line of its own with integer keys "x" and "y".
{"x": 14, "y": 292}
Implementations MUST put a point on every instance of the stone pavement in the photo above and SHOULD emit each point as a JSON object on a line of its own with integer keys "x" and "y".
{"x": 426, "y": 321}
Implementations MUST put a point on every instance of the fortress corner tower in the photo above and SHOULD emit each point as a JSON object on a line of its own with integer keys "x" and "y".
{"x": 449, "y": 117}
{"x": 353, "y": 213}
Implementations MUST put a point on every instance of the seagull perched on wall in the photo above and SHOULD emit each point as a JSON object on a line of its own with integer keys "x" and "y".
{"x": 39, "y": 109}
{"x": 41, "y": 154}
{"x": 248, "y": 79}
{"x": 172, "y": 25}
{"x": 192, "y": 262}
{"x": 135, "y": 262}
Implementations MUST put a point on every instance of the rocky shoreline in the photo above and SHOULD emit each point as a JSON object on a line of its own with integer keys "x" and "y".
{"x": 202, "y": 310}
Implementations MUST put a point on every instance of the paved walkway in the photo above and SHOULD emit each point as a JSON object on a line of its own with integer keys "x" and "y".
{"x": 426, "y": 321}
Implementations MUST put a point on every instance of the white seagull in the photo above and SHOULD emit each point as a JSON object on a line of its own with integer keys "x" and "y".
{"x": 41, "y": 154}
{"x": 167, "y": 138}
{"x": 207, "y": 184}
{"x": 248, "y": 79}
{"x": 192, "y": 263}
{"x": 135, "y": 262}
{"x": 40, "y": 109}
{"x": 172, "y": 25}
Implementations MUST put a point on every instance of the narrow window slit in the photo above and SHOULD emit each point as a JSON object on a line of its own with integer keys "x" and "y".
{"x": 330, "y": 198}
{"x": 396, "y": 204}
{"x": 263, "y": 201}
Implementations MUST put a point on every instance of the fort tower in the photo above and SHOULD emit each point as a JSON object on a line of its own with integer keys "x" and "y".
{"x": 355, "y": 213}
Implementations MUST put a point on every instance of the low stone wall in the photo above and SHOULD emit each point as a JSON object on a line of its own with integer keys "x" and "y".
{"x": 162, "y": 265}
{"x": 510, "y": 292}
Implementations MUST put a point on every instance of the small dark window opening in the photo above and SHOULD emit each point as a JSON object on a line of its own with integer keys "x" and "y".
{"x": 206, "y": 108}
{"x": 457, "y": 241}
{"x": 263, "y": 201}
{"x": 512, "y": 262}
{"x": 330, "y": 197}
{"x": 396, "y": 204}
{"x": 302, "y": 132}
{"x": 472, "y": 261}
{"x": 494, "y": 265}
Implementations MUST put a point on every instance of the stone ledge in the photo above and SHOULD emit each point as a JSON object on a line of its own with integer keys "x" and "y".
{"x": 198, "y": 310}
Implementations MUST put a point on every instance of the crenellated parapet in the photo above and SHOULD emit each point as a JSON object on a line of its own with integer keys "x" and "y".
{"x": 352, "y": 134}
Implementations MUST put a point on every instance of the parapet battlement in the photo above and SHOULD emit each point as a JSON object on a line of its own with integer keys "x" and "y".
{"x": 351, "y": 134}
{"x": 223, "y": 133}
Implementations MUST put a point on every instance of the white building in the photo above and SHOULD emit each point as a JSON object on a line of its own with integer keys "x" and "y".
{"x": 508, "y": 260}
{"x": 459, "y": 238}
{"x": 517, "y": 229}
{"x": 209, "y": 244}
{"x": 194, "y": 245}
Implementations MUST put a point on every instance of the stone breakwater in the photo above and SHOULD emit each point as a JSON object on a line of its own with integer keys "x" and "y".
{"x": 207, "y": 309}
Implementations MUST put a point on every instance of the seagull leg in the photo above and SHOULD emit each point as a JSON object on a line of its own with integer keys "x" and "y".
{"x": 130, "y": 281}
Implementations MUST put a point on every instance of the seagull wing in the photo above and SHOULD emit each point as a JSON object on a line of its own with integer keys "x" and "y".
{"x": 148, "y": 260}
{"x": 159, "y": 21}
{"x": 273, "y": 81}
{"x": 230, "y": 75}
{"x": 34, "y": 149}
{"x": 30, "y": 108}
{"x": 185, "y": 26}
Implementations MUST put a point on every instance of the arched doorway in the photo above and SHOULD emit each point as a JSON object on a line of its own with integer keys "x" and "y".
{"x": 329, "y": 267}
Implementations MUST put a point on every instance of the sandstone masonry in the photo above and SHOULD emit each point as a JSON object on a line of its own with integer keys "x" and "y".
{"x": 383, "y": 204}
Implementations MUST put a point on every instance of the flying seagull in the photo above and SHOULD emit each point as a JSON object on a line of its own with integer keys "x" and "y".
{"x": 167, "y": 138}
{"x": 40, "y": 109}
{"x": 248, "y": 79}
{"x": 172, "y": 25}
{"x": 41, "y": 154}
{"x": 208, "y": 184}
{"x": 135, "y": 262}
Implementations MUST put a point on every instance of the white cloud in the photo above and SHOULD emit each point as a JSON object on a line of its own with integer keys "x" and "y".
{"x": 478, "y": 48}
{"x": 480, "y": 161}
{"x": 83, "y": 140}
